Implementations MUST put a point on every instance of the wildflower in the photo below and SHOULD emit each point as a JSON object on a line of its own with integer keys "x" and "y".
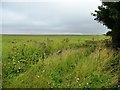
{"x": 77, "y": 79}
{"x": 43, "y": 71}
{"x": 79, "y": 84}
{"x": 19, "y": 68}
{"x": 14, "y": 62}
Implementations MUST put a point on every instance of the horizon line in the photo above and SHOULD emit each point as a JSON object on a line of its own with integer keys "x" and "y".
{"x": 47, "y": 34}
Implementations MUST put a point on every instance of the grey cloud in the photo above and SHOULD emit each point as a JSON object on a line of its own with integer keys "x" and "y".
{"x": 49, "y": 17}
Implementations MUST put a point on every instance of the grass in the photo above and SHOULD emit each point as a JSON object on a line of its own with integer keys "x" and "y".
{"x": 59, "y": 62}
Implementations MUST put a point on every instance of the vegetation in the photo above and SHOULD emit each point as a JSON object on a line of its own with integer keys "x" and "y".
{"x": 109, "y": 33}
{"x": 59, "y": 62}
{"x": 109, "y": 15}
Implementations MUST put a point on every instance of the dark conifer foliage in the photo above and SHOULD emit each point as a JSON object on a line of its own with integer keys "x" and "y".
{"x": 109, "y": 15}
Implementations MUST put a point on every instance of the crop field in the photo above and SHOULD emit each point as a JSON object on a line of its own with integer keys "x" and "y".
{"x": 59, "y": 61}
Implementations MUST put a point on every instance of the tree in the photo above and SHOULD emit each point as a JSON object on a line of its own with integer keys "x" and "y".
{"x": 109, "y": 15}
{"x": 109, "y": 33}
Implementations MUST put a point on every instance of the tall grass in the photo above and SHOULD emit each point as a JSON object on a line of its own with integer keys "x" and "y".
{"x": 62, "y": 63}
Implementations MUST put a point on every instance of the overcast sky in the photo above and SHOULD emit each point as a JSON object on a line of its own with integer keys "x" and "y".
{"x": 50, "y": 16}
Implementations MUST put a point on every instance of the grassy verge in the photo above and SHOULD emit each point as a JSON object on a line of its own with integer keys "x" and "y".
{"x": 60, "y": 63}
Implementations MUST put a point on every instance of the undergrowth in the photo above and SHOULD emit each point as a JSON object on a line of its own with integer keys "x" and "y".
{"x": 63, "y": 64}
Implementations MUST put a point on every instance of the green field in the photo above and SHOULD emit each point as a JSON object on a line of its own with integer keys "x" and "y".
{"x": 51, "y": 61}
